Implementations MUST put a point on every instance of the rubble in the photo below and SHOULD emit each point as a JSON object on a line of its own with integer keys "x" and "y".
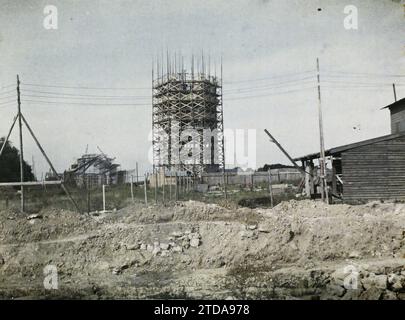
{"x": 177, "y": 249}
{"x": 34, "y": 216}
{"x": 195, "y": 242}
{"x": 300, "y": 249}
{"x": 135, "y": 246}
{"x": 376, "y": 281}
{"x": 164, "y": 246}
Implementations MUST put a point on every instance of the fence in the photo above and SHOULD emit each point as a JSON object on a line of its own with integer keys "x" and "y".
{"x": 159, "y": 188}
{"x": 277, "y": 176}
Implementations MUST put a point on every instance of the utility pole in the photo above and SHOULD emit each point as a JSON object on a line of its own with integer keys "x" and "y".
{"x": 322, "y": 159}
{"x": 21, "y": 119}
{"x": 395, "y": 92}
{"x": 21, "y": 145}
{"x": 223, "y": 136}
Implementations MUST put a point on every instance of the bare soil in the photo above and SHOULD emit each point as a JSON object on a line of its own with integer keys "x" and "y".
{"x": 299, "y": 249}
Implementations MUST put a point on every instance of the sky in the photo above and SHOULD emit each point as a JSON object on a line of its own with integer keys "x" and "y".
{"x": 268, "y": 48}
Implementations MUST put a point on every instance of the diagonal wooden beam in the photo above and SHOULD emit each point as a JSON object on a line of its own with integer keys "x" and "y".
{"x": 8, "y": 135}
{"x": 50, "y": 164}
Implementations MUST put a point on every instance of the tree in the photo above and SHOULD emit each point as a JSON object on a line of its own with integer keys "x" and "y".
{"x": 266, "y": 167}
{"x": 10, "y": 164}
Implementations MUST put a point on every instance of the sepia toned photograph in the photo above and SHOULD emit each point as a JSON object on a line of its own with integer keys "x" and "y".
{"x": 183, "y": 150}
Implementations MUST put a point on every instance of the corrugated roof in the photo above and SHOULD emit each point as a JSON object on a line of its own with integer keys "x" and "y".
{"x": 337, "y": 150}
{"x": 395, "y": 104}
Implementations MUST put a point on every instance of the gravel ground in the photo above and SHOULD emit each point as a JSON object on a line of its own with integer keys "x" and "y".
{"x": 299, "y": 249}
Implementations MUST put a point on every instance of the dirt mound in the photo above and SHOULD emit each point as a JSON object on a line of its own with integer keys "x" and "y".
{"x": 191, "y": 249}
{"x": 45, "y": 225}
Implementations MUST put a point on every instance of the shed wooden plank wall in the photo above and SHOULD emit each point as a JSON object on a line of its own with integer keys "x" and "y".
{"x": 376, "y": 171}
{"x": 397, "y": 121}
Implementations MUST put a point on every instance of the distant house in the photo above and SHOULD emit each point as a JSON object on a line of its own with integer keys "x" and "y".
{"x": 372, "y": 169}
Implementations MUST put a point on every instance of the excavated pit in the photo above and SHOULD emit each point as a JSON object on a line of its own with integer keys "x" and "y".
{"x": 298, "y": 249}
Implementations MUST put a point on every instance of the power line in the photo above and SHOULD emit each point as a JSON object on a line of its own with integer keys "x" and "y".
{"x": 364, "y": 83}
{"x": 374, "y": 87}
{"x": 79, "y": 98}
{"x": 334, "y": 80}
{"x": 6, "y": 86}
{"x": 276, "y": 85}
{"x": 7, "y": 103}
{"x": 292, "y": 86}
{"x": 361, "y": 74}
{"x": 272, "y": 77}
{"x": 6, "y": 92}
{"x": 84, "y": 88}
{"x": 233, "y": 96}
{"x": 356, "y": 88}
{"x": 8, "y": 97}
{"x": 82, "y": 95}
{"x": 85, "y": 103}
{"x": 270, "y": 94}
{"x": 61, "y": 95}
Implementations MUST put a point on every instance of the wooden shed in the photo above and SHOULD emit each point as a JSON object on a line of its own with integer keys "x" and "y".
{"x": 372, "y": 169}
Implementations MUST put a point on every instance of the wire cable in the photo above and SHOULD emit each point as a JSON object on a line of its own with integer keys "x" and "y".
{"x": 82, "y": 98}
{"x": 5, "y": 102}
{"x": 361, "y": 74}
{"x": 7, "y": 86}
{"x": 269, "y": 94}
{"x": 272, "y": 77}
{"x": 8, "y": 97}
{"x": 6, "y": 92}
{"x": 6, "y": 105}
{"x": 84, "y": 103}
{"x": 81, "y": 95}
{"x": 363, "y": 83}
{"x": 275, "y": 85}
{"x": 83, "y": 87}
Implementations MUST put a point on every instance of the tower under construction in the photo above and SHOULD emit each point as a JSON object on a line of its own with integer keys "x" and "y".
{"x": 187, "y": 116}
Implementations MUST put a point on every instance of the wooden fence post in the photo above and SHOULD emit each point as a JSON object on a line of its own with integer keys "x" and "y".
{"x": 270, "y": 189}
{"x": 103, "y": 197}
{"x": 176, "y": 187}
{"x": 132, "y": 188}
{"x": 144, "y": 188}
